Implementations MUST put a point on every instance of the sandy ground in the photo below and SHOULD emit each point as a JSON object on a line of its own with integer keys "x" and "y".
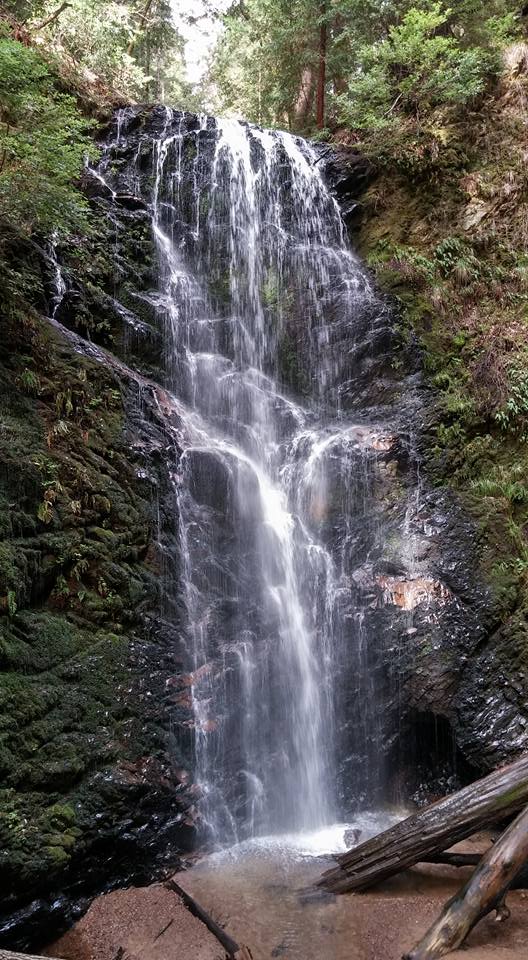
{"x": 261, "y": 908}
{"x": 147, "y": 923}
{"x": 397, "y": 916}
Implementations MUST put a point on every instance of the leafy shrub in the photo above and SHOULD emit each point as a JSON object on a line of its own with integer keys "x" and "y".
{"x": 43, "y": 139}
{"x": 415, "y": 69}
{"x": 512, "y": 416}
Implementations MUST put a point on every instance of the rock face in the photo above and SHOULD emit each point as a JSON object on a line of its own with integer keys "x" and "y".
{"x": 96, "y": 721}
{"x": 464, "y": 677}
{"x": 94, "y": 733}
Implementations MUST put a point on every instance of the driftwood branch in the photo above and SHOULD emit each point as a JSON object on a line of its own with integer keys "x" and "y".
{"x": 432, "y": 830}
{"x": 54, "y": 16}
{"x": 484, "y": 891}
{"x": 230, "y": 946}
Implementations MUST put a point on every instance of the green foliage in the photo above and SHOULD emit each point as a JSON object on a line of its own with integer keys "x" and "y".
{"x": 260, "y": 59}
{"x": 512, "y": 416}
{"x": 388, "y": 62}
{"x": 131, "y": 47}
{"x": 415, "y": 69}
{"x": 11, "y": 603}
{"x": 455, "y": 258}
{"x": 99, "y": 41}
{"x": 271, "y": 290}
{"x": 42, "y": 144}
{"x": 29, "y": 381}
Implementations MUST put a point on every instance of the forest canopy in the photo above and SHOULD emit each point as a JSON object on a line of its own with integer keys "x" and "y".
{"x": 61, "y": 64}
{"x": 363, "y": 64}
{"x": 391, "y": 75}
{"x": 133, "y": 46}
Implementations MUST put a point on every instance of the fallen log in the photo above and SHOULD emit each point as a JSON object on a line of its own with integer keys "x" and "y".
{"x": 472, "y": 860}
{"x": 432, "y": 830}
{"x": 484, "y": 891}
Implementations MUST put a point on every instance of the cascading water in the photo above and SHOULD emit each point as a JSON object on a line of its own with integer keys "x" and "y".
{"x": 262, "y": 302}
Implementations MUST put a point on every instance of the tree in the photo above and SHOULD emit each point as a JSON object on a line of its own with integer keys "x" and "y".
{"x": 413, "y": 70}
{"x": 314, "y": 63}
{"x": 131, "y": 46}
{"x": 321, "y": 72}
{"x": 267, "y": 60}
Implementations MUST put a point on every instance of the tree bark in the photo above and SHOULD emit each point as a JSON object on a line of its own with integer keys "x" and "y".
{"x": 432, "y": 830}
{"x": 304, "y": 101}
{"x": 484, "y": 891}
{"x": 321, "y": 73}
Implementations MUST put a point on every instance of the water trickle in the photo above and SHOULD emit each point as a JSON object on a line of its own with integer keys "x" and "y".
{"x": 262, "y": 301}
{"x": 58, "y": 283}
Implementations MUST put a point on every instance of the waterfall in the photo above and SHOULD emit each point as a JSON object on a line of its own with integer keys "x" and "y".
{"x": 269, "y": 322}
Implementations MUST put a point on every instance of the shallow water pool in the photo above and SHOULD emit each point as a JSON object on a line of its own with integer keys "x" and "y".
{"x": 261, "y": 891}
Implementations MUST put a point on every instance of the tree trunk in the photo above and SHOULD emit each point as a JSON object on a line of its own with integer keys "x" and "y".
{"x": 304, "y": 101}
{"x": 321, "y": 73}
{"x": 337, "y": 80}
{"x": 484, "y": 891}
{"x": 432, "y": 830}
{"x": 142, "y": 22}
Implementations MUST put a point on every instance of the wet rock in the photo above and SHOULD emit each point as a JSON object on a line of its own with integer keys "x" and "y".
{"x": 89, "y": 749}
{"x": 411, "y": 593}
{"x": 210, "y": 480}
{"x": 96, "y": 761}
{"x": 350, "y": 173}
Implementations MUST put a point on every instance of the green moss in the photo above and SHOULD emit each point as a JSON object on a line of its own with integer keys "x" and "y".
{"x": 75, "y": 529}
{"x": 60, "y": 815}
{"x": 56, "y": 855}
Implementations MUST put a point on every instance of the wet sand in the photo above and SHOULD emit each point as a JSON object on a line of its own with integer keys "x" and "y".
{"x": 146, "y": 923}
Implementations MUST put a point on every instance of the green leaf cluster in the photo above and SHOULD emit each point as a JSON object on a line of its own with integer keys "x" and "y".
{"x": 415, "y": 69}
{"x": 512, "y": 416}
{"x": 132, "y": 47}
{"x": 43, "y": 140}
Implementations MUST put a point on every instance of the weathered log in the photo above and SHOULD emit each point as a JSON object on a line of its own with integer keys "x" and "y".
{"x": 472, "y": 860}
{"x": 484, "y": 891}
{"x": 432, "y": 830}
